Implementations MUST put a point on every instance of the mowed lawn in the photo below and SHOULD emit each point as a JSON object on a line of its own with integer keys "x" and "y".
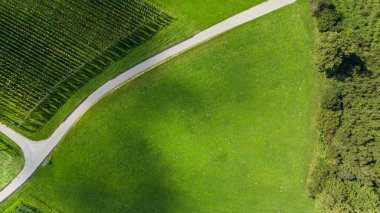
{"x": 225, "y": 127}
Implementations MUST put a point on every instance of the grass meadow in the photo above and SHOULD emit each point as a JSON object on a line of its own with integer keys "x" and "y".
{"x": 225, "y": 127}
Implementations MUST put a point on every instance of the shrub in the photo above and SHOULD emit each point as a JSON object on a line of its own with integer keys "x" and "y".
{"x": 329, "y": 55}
{"x": 332, "y": 97}
{"x": 328, "y": 123}
{"x": 328, "y": 17}
{"x": 318, "y": 177}
{"x": 317, "y": 6}
{"x": 373, "y": 60}
{"x": 329, "y": 20}
{"x": 334, "y": 192}
{"x": 363, "y": 198}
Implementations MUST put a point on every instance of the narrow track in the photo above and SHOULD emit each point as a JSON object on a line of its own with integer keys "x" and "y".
{"x": 36, "y": 151}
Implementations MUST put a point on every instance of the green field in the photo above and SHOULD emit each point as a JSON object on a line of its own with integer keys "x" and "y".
{"x": 225, "y": 127}
{"x": 44, "y": 85}
{"x": 11, "y": 161}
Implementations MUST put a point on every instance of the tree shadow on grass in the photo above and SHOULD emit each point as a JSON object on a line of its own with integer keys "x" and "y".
{"x": 153, "y": 188}
{"x": 141, "y": 181}
{"x": 172, "y": 94}
{"x": 117, "y": 168}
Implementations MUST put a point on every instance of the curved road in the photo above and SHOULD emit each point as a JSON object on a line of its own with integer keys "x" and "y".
{"x": 35, "y": 152}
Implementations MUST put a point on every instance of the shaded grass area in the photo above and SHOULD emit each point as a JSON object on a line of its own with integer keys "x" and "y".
{"x": 191, "y": 17}
{"x": 11, "y": 161}
{"x": 225, "y": 127}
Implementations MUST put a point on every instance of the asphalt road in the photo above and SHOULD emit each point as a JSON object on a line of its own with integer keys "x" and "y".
{"x": 36, "y": 151}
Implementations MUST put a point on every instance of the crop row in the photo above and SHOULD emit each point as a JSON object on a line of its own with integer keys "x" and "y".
{"x": 50, "y": 49}
{"x": 6, "y": 147}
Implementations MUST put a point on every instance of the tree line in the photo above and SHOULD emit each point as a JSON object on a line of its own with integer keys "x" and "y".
{"x": 346, "y": 176}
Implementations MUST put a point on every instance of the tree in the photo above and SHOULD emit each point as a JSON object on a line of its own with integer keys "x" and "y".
{"x": 329, "y": 20}
{"x": 317, "y": 6}
{"x": 319, "y": 176}
{"x": 332, "y": 97}
{"x": 328, "y": 17}
{"x": 329, "y": 55}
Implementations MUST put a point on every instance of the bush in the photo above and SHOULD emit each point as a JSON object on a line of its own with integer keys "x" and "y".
{"x": 373, "y": 60}
{"x": 328, "y": 17}
{"x": 340, "y": 196}
{"x": 318, "y": 178}
{"x": 317, "y": 6}
{"x": 328, "y": 20}
{"x": 329, "y": 55}
{"x": 328, "y": 123}
{"x": 363, "y": 198}
{"x": 333, "y": 197}
{"x": 332, "y": 97}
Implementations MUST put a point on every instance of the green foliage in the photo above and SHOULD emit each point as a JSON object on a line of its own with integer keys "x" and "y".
{"x": 330, "y": 113}
{"x": 328, "y": 123}
{"x": 373, "y": 60}
{"x": 328, "y": 17}
{"x": 337, "y": 56}
{"x": 332, "y": 97}
{"x": 50, "y": 49}
{"x": 29, "y": 204}
{"x": 332, "y": 198}
{"x": 328, "y": 20}
{"x": 317, "y": 6}
{"x": 11, "y": 161}
{"x": 349, "y": 116}
{"x": 329, "y": 56}
{"x": 342, "y": 196}
{"x": 319, "y": 176}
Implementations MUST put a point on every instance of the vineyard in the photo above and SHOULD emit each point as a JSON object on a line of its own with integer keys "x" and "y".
{"x": 49, "y": 49}
{"x": 11, "y": 161}
{"x": 29, "y": 204}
